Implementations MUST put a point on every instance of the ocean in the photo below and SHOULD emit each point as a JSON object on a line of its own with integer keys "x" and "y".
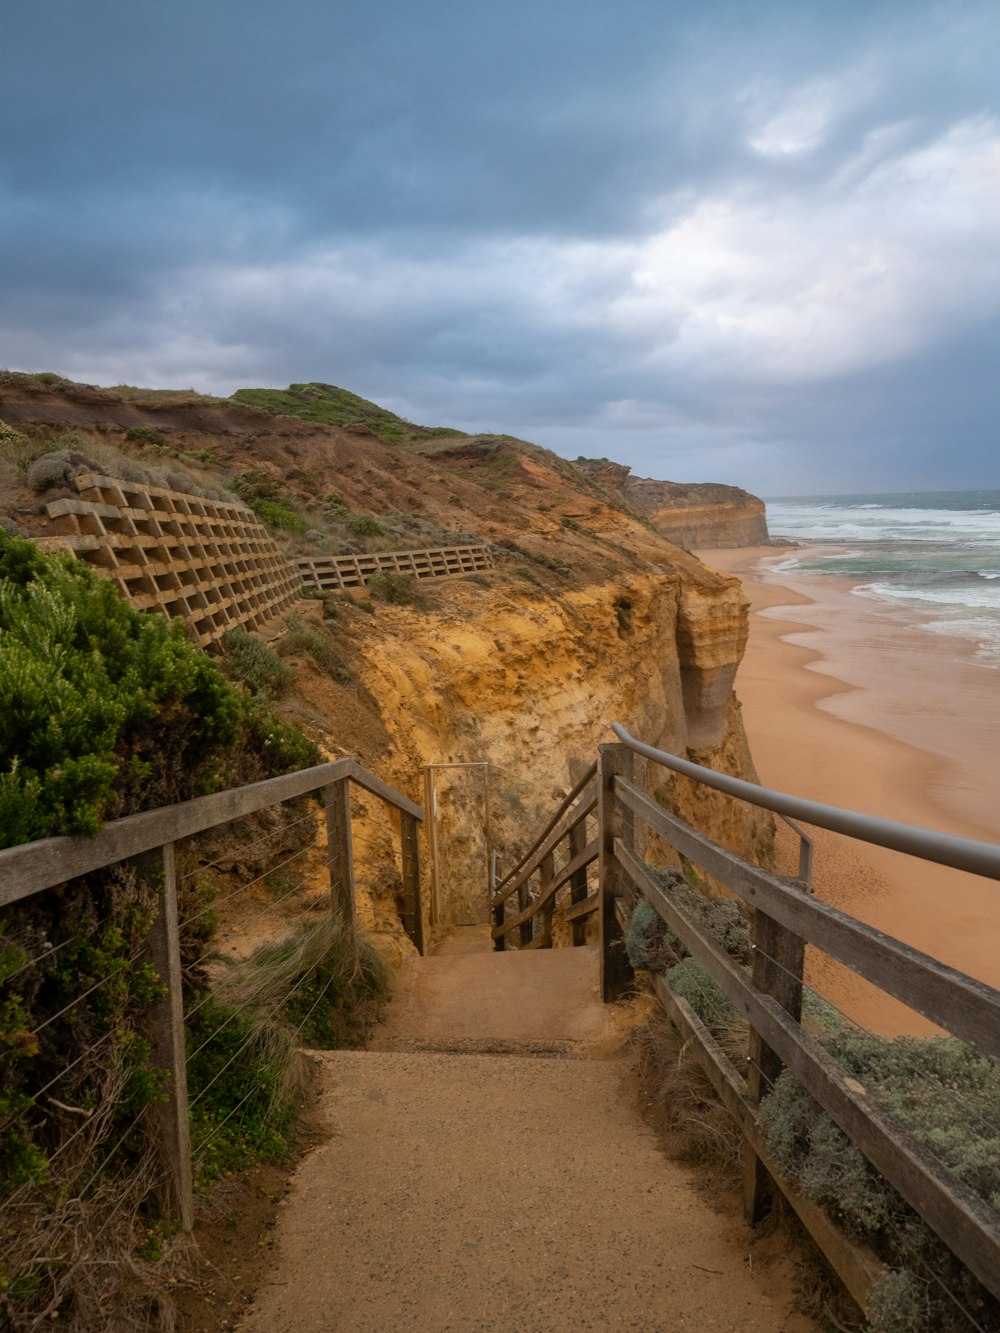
{"x": 931, "y": 557}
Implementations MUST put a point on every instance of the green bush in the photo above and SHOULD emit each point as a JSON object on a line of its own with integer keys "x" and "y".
{"x": 145, "y": 435}
{"x": 318, "y": 644}
{"x": 363, "y": 525}
{"x": 103, "y": 711}
{"x": 396, "y": 589}
{"x": 252, "y": 662}
{"x": 270, "y": 501}
{"x": 97, "y": 702}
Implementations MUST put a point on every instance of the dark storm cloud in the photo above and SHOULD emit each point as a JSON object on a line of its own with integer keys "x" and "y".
{"x": 751, "y": 243}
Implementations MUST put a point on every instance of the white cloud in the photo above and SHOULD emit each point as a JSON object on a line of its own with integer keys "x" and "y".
{"x": 791, "y": 122}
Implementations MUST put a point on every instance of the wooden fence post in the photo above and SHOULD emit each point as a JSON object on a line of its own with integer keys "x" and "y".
{"x": 167, "y": 1021}
{"x": 613, "y": 821}
{"x": 413, "y": 913}
{"x": 548, "y": 874}
{"x": 778, "y": 958}
{"x": 430, "y": 823}
{"x": 339, "y": 851}
{"x": 578, "y": 879}
{"x": 527, "y": 928}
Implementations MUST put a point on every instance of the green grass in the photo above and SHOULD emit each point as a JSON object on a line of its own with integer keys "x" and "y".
{"x": 333, "y": 406}
{"x": 316, "y": 988}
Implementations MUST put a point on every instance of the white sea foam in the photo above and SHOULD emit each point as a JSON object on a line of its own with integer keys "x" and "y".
{"x": 935, "y": 558}
{"x": 985, "y": 599}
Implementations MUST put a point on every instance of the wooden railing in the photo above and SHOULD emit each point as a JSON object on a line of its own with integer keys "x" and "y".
{"x": 560, "y": 857}
{"x": 784, "y": 917}
{"x": 34, "y": 868}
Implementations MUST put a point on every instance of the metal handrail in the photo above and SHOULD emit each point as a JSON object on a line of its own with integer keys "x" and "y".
{"x": 978, "y": 858}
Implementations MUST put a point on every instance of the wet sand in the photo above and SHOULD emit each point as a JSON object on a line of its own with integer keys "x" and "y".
{"x": 846, "y": 703}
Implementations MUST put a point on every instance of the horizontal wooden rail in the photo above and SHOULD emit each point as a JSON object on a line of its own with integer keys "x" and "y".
{"x": 567, "y": 801}
{"x": 968, "y": 1008}
{"x": 585, "y": 907}
{"x": 858, "y": 1266}
{"x": 586, "y": 857}
{"x": 511, "y": 885}
{"x": 34, "y": 866}
{"x": 971, "y": 1227}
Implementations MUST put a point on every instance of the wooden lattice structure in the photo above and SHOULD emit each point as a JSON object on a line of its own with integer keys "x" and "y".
{"x": 328, "y": 573}
{"x": 208, "y": 561}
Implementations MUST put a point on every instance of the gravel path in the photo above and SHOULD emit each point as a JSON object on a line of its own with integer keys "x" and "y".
{"x": 502, "y": 1191}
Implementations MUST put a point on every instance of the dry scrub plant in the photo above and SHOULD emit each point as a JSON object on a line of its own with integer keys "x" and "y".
{"x": 940, "y": 1090}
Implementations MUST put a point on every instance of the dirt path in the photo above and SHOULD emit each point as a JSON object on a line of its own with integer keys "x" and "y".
{"x": 487, "y": 1170}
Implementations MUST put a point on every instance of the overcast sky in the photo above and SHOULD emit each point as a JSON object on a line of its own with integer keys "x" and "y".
{"x": 747, "y": 242}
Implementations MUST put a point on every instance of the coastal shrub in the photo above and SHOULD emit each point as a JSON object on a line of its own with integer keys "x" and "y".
{"x": 254, "y": 664}
{"x": 934, "y": 1088}
{"x": 648, "y": 942}
{"x": 270, "y": 502}
{"x": 104, "y": 711}
{"x": 396, "y": 589}
{"x": 147, "y": 435}
{"x": 96, "y": 700}
{"x": 318, "y": 644}
{"x": 51, "y": 469}
{"x": 363, "y": 525}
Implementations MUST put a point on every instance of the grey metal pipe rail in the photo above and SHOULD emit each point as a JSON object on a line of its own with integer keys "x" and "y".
{"x": 979, "y": 858}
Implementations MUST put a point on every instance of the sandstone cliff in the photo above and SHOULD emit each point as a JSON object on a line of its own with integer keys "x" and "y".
{"x": 697, "y": 516}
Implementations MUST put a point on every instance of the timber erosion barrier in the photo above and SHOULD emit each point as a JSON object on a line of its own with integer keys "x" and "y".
{"x": 328, "y": 573}
{"x": 212, "y": 562}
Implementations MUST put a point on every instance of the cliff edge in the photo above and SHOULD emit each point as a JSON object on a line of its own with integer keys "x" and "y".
{"x": 693, "y": 515}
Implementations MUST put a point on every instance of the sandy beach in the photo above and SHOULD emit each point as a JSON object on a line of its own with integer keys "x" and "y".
{"x": 845, "y": 702}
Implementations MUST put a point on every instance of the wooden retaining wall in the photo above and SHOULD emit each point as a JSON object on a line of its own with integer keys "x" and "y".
{"x": 329, "y": 573}
{"x": 211, "y": 562}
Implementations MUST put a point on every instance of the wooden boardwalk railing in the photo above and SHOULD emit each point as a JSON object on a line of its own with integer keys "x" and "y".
{"x": 34, "y": 868}
{"x": 568, "y": 825}
{"x": 784, "y": 917}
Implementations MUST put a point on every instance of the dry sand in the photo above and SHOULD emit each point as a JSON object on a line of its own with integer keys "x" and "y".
{"x": 844, "y": 702}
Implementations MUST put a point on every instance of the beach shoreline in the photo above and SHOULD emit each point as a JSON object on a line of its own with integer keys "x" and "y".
{"x": 845, "y": 703}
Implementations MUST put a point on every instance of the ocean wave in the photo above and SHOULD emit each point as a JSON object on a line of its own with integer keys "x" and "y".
{"x": 953, "y": 597}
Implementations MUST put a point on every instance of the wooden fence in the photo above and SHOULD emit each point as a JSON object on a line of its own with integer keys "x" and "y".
{"x": 564, "y": 837}
{"x": 35, "y": 868}
{"x": 784, "y": 918}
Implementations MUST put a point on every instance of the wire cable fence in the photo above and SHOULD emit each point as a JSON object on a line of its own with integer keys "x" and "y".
{"x": 110, "y": 967}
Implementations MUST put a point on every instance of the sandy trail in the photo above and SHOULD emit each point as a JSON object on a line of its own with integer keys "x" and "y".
{"x": 512, "y": 1190}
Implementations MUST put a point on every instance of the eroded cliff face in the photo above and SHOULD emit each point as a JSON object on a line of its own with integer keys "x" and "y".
{"x": 695, "y": 516}
{"x": 531, "y": 685}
